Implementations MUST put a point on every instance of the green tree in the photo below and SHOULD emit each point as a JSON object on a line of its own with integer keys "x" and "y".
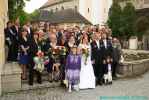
{"x": 34, "y": 15}
{"x": 24, "y": 17}
{"x": 128, "y": 20}
{"x": 15, "y": 8}
{"x": 114, "y": 20}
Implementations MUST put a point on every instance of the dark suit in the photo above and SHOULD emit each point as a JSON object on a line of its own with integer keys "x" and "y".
{"x": 15, "y": 36}
{"x": 12, "y": 43}
{"x": 32, "y": 52}
{"x": 106, "y": 51}
{"x": 59, "y": 36}
{"x": 47, "y": 53}
{"x": 30, "y": 32}
{"x": 116, "y": 57}
{"x": 96, "y": 55}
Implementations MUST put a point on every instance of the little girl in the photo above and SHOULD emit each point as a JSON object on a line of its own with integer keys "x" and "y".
{"x": 73, "y": 66}
{"x": 108, "y": 70}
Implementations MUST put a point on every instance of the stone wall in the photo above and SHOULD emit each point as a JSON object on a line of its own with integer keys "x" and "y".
{"x": 3, "y": 20}
{"x": 134, "y": 67}
{"x": 96, "y": 11}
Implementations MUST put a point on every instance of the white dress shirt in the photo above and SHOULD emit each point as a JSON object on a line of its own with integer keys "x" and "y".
{"x": 97, "y": 42}
{"x": 105, "y": 43}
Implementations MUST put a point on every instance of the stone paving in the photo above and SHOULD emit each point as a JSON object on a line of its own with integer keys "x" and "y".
{"x": 123, "y": 87}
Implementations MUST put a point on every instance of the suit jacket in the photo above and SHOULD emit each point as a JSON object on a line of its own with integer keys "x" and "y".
{"x": 9, "y": 36}
{"x": 106, "y": 51}
{"x": 59, "y": 36}
{"x": 116, "y": 52}
{"x": 33, "y": 48}
{"x": 16, "y": 32}
{"x": 96, "y": 52}
{"x": 30, "y": 34}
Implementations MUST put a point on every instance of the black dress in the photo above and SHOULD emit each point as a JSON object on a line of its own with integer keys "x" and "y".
{"x": 24, "y": 57}
{"x": 47, "y": 46}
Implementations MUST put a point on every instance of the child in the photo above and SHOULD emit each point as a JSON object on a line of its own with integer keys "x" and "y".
{"x": 73, "y": 66}
{"x": 108, "y": 70}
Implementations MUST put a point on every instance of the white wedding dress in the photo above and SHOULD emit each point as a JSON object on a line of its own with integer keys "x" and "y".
{"x": 87, "y": 77}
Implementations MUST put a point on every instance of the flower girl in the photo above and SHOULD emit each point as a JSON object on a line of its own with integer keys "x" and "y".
{"x": 73, "y": 66}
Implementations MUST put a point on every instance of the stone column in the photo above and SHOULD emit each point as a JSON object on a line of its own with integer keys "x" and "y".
{"x": 3, "y": 19}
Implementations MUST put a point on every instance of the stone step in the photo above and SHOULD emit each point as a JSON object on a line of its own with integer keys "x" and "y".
{"x": 11, "y": 79}
{"x": 45, "y": 84}
{"x": 44, "y": 77}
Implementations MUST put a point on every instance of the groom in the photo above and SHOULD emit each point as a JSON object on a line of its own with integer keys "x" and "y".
{"x": 96, "y": 57}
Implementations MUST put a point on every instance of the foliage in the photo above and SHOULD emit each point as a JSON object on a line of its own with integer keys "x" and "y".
{"x": 15, "y": 9}
{"x": 129, "y": 18}
{"x": 34, "y": 15}
{"x": 114, "y": 20}
{"x": 122, "y": 21}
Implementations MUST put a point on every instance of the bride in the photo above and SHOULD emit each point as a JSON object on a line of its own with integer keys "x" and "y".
{"x": 87, "y": 77}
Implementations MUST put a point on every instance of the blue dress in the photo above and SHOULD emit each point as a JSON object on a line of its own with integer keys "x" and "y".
{"x": 23, "y": 58}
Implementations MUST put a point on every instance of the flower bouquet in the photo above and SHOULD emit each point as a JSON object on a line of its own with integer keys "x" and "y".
{"x": 54, "y": 52}
{"x": 57, "y": 52}
{"x": 85, "y": 53}
{"x": 39, "y": 61}
{"x": 63, "y": 51}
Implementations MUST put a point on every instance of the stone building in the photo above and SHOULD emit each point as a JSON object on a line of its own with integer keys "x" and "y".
{"x": 3, "y": 20}
{"x": 95, "y": 11}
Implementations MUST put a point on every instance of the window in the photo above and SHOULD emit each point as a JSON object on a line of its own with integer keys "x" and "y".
{"x": 76, "y": 7}
{"x": 62, "y": 8}
{"x": 104, "y": 10}
{"x": 56, "y": 9}
{"x": 88, "y": 10}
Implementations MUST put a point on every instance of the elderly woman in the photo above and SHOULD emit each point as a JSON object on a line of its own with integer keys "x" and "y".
{"x": 50, "y": 50}
{"x": 71, "y": 42}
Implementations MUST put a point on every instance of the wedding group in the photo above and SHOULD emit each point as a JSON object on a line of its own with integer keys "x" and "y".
{"x": 77, "y": 57}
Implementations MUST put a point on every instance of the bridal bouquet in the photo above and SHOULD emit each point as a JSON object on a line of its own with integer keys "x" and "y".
{"x": 63, "y": 51}
{"x": 85, "y": 52}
